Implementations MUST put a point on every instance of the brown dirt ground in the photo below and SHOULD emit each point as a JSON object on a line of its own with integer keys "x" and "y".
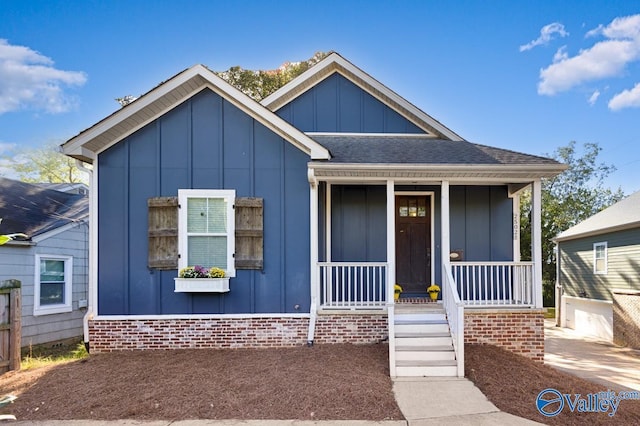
{"x": 319, "y": 383}
{"x": 322, "y": 382}
{"x": 513, "y": 383}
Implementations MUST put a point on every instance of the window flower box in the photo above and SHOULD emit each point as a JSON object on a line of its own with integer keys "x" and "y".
{"x": 196, "y": 279}
{"x": 201, "y": 285}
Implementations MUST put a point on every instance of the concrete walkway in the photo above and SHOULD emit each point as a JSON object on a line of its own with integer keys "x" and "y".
{"x": 601, "y": 362}
{"x": 459, "y": 402}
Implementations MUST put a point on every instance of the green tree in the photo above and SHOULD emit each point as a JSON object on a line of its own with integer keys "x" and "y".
{"x": 44, "y": 164}
{"x": 567, "y": 199}
{"x": 260, "y": 84}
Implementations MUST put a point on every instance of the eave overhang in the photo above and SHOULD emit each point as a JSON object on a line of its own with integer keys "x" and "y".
{"x": 595, "y": 232}
{"x": 170, "y": 94}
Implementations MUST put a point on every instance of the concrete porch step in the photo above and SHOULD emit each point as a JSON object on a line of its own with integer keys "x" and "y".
{"x": 431, "y": 368}
{"x": 427, "y": 363}
{"x": 420, "y": 327}
{"x": 418, "y": 308}
{"x": 417, "y": 356}
{"x": 442, "y": 339}
{"x": 431, "y": 348}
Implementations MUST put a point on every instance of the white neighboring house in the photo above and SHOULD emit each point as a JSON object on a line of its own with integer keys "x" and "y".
{"x": 52, "y": 263}
{"x": 599, "y": 274}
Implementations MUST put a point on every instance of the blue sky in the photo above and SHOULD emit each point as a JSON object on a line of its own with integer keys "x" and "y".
{"x": 524, "y": 75}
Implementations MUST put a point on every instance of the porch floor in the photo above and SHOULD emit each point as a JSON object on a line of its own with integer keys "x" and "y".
{"x": 417, "y": 300}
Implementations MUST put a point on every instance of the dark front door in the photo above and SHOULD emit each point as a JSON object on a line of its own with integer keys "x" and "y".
{"x": 413, "y": 243}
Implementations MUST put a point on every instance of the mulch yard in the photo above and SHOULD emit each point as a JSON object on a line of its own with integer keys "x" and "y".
{"x": 319, "y": 383}
{"x": 513, "y": 383}
{"x": 322, "y": 382}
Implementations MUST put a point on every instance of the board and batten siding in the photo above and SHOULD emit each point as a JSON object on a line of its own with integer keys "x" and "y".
{"x": 204, "y": 143}
{"x": 338, "y": 105}
{"x": 481, "y": 219}
{"x": 481, "y": 223}
{"x": 18, "y": 262}
{"x": 623, "y": 265}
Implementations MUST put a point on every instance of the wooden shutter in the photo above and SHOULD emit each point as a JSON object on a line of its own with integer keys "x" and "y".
{"x": 163, "y": 232}
{"x": 249, "y": 233}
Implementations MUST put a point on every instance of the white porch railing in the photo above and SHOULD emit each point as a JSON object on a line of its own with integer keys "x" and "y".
{"x": 353, "y": 285}
{"x": 494, "y": 284}
{"x": 455, "y": 315}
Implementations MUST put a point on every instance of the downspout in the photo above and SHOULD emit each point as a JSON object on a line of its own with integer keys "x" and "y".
{"x": 558, "y": 289}
{"x": 89, "y": 314}
{"x": 313, "y": 237}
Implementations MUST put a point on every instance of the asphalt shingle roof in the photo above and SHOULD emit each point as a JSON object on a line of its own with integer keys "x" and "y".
{"x": 395, "y": 149}
{"x": 624, "y": 213}
{"x": 33, "y": 210}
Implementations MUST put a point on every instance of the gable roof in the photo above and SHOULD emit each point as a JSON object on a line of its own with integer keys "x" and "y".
{"x": 625, "y": 214}
{"x": 334, "y": 63}
{"x": 386, "y": 155}
{"x": 167, "y": 96}
{"x": 33, "y": 210}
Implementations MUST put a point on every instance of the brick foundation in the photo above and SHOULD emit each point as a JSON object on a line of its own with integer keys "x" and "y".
{"x": 626, "y": 318}
{"x": 107, "y": 335}
{"x": 351, "y": 328}
{"x": 518, "y": 330}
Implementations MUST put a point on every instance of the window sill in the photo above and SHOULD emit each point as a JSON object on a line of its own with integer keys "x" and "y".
{"x": 201, "y": 285}
{"x": 59, "y": 309}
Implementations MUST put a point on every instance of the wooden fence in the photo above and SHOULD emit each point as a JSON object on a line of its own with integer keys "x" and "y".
{"x": 10, "y": 325}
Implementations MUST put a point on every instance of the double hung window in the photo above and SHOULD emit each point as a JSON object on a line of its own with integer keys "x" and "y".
{"x": 207, "y": 229}
{"x": 600, "y": 258}
{"x": 53, "y": 286}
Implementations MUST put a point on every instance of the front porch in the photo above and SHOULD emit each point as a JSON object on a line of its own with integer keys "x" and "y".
{"x": 350, "y": 274}
{"x": 362, "y": 285}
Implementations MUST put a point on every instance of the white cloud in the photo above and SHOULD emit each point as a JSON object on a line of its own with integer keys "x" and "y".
{"x": 604, "y": 59}
{"x": 546, "y": 35}
{"x": 594, "y": 97}
{"x": 624, "y": 27}
{"x": 6, "y": 147}
{"x": 626, "y": 99}
{"x": 561, "y": 54}
{"x": 29, "y": 80}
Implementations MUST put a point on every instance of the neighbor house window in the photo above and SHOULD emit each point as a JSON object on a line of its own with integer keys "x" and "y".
{"x": 53, "y": 286}
{"x": 600, "y": 258}
{"x": 206, "y": 225}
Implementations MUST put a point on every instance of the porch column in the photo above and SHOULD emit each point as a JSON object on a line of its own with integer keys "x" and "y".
{"x": 516, "y": 228}
{"x": 313, "y": 251}
{"x": 445, "y": 243}
{"x": 536, "y": 241}
{"x": 391, "y": 273}
{"x": 391, "y": 240}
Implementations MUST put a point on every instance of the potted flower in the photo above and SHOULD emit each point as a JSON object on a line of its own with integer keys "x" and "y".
{"x": 397, "y": 289}
{"x": 433, "y": 291}
{"x": 201, "y": 280}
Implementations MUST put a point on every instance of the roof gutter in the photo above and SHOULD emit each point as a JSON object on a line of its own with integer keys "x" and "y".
{"x": 595, "y": 232}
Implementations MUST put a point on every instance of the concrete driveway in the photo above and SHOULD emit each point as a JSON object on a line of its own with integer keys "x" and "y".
{"x": 614, "y": 367}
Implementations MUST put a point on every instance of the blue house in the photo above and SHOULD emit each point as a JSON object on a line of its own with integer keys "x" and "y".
{"x": 315, "y": 202}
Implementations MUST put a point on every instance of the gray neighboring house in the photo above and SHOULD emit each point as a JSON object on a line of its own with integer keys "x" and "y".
{"x": 52, "y": 262}
{"x": 599, "y": 274}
